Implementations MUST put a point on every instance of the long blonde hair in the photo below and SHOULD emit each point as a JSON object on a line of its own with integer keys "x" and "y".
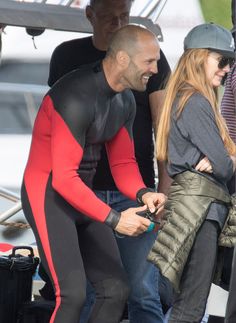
{"x": 189, "y": 77}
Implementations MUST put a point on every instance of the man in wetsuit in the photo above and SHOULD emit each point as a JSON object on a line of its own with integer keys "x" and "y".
{"x": 86, "y": 108}
{"x": 106, "y": 16}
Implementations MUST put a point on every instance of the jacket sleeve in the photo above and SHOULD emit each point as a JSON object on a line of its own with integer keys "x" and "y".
{"x": 199, "y": 125}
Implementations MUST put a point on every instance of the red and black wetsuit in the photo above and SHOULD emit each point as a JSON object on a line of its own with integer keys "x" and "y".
{"x": 79, "y": 114}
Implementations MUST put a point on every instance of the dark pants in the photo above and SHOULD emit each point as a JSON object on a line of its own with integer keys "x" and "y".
{"x": 189, "y": 304}
{"x": 230, "y": 316}
{"x": 90, "y": 251}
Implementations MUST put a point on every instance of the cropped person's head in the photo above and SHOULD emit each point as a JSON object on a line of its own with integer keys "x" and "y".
{"x": 107, "y": 16}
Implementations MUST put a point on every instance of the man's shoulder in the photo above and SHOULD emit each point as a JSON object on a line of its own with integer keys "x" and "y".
{"x": 71, "y": 55}
{"x": 74, "y": 44}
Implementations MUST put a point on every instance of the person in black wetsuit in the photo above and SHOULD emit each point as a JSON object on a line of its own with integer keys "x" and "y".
{"x": 106, "y": 16}
{"x": 86, "y": 108}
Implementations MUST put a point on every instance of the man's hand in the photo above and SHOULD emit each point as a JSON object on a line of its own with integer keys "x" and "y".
{"x": 204, "y": 166}
{"x": 154, "y": 200}
{"x": 132, "y": 224}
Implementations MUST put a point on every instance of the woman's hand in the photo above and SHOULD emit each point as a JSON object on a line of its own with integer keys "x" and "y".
{"x": 204, "y": 166}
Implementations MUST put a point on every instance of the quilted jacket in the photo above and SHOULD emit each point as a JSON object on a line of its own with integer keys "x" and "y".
{"x": 188, "y": 202}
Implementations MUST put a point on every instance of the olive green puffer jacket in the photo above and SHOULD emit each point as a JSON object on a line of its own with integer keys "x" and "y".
{"x": 227, "y": 237}
{"x": 188, "y": 201}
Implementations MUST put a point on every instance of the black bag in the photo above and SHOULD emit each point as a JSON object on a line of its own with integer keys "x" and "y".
{"x": 16, "y": 273}
{"x": 36, "y": 312}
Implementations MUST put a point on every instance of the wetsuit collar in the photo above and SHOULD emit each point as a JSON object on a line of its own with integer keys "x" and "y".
{"x": 102, "y": 81}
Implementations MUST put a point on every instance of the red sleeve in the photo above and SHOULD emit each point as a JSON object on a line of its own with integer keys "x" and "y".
{"x": 124, "y": 168}
{"x": 66, "y": 155}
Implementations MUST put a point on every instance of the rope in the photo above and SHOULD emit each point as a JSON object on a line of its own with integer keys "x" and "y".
{"x": 18, "y": 225}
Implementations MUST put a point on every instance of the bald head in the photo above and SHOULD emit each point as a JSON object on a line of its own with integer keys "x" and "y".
{"x": 131, "y": 58}
{"x": 131, "y": 39}
{"x": 97, "y": 3}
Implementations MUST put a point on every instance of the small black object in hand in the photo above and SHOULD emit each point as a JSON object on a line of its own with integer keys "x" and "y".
{"x": 149, "y": 215}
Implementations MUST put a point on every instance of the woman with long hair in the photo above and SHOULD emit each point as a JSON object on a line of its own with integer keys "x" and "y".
{"x": 201, "y": 157}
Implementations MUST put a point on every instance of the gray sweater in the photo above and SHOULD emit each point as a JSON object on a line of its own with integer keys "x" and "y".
{"x": 193, "y": 136}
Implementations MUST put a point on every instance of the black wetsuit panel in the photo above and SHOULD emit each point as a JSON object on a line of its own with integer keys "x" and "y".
{"x": 82, "y": 112}
{"x": 77, "y": 52}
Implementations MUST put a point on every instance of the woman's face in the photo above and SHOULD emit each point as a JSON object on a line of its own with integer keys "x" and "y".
{"x": 216, "y": 67}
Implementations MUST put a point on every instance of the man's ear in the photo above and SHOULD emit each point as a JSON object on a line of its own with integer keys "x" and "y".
{"x": 89, "y": 14}
{"x": 123, "y": 58}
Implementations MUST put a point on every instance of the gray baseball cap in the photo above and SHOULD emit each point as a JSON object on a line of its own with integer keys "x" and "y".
{"x": 211, "y": 36}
